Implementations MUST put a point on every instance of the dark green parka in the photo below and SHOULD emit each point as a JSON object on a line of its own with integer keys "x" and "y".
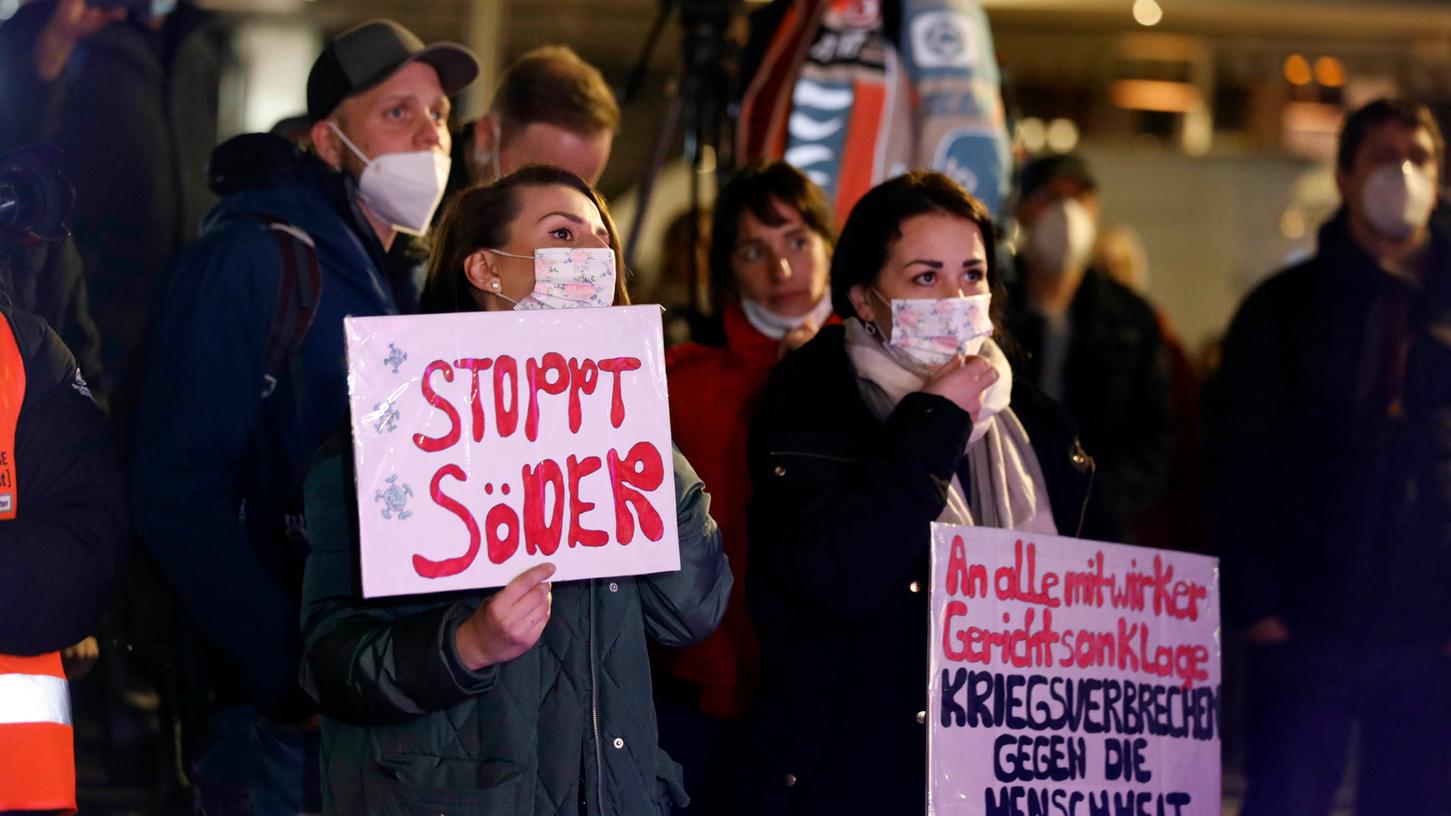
{"x": 408, "y": 730}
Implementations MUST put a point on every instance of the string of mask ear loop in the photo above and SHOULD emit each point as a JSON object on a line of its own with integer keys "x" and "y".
{"x": 495, "y": 285}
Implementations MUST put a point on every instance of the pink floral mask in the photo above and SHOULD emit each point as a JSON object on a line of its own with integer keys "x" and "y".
{"x": 566, "y": 277}
{"x": 930, "y": 332}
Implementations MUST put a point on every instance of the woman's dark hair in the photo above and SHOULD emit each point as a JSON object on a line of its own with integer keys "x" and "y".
{"x": 479, "y": 218}
{"x": 758, "y": 188}
{"x": 875, "y": 224}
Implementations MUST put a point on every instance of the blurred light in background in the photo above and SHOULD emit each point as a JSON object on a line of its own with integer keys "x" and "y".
{"x": 1292, "y": 224}
{"x": 1297, "y": 70}
{"x": 8, "y": 8}
{"x": 1329, "y": 72}
{"x": 1147, "y": 12}
{"x": 1311, "y": 130}
{"x": 275, "y": 55}
{"x": 1062, "y": 135}
{"x": 1032, "y": 134}
{"x": 707, "y": 161}
{"x": 1155, "y": 95}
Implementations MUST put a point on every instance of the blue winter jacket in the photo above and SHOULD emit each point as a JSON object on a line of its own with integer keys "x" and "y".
{"x": 216, "y": 461}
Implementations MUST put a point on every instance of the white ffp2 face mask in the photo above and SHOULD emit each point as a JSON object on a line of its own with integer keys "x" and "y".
{"x": 403, "y": 189}
{"x": 928, "y": 332}
{"x": 567, "y": 278}
{"x": 1398, "y": 199}
{"x": 1061, "y": 241}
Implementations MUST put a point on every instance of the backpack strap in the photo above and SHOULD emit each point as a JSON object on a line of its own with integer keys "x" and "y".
{"x": 297, "y": 299}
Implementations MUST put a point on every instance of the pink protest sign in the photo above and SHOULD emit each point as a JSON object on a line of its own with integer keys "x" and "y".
{"x": 492, "y": 441}
{"x": 1071, "y": 677}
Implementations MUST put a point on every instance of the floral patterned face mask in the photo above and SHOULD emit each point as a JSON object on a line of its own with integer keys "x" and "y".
{"x": 568, "y": 277}
{"x": 930, "y": 332}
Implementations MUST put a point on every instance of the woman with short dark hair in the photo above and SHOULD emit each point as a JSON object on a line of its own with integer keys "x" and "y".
{"x": 770, "y": 250}
{"x": 904, "y": 415}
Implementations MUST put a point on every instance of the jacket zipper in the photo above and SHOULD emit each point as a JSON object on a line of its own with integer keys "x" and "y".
{"x": 594, "y": 692}
{"x": 1092, "y": 466}
{"x": 825, "y": 456}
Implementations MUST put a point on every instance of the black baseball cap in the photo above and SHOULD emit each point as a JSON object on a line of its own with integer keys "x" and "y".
{"x": 1041, "y": 172}
{"x": 364, "y": 56}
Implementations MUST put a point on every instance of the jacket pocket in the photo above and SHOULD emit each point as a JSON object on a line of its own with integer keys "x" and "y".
{"x": 422, "y": 785}
{"x": 810, "y": 470}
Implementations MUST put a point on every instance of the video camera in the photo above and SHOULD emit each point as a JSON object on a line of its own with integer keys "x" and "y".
{"x": 35, "y": 199}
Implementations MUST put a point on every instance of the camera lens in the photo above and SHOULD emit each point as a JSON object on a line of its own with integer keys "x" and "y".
{"x": 34, "y": 196}
{"x": 9, "y": 205}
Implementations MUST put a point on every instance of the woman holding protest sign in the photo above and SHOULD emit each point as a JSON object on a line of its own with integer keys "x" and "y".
{"x": 769, "y": 257}
{"x": 904, "y": 415}
{"x": 534, "y": 698}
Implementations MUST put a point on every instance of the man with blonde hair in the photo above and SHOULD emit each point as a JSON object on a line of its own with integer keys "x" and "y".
{"x": 551, "y": 107}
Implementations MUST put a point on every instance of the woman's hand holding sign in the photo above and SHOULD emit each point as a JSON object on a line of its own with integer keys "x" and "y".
{"x": 509, "y": 623}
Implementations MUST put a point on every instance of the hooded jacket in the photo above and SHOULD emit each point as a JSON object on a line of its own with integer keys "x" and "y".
{"x": 407, "y": 729}
{"x": 58, "y": 555}
{"x": 47, "y": 280}
{"x": 208, "y": 480}
{"x": 57, "y": 539}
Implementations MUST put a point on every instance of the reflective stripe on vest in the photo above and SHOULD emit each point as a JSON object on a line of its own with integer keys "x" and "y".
{"x": 33, "y": 690}
{"x": 37, "y": 744}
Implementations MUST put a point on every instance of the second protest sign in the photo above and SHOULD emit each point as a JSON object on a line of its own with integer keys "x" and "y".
{"x": 1071, "y": 678}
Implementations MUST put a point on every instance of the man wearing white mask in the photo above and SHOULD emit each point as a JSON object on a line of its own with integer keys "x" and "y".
{"x": 1329, "y": 421}
{"x": 1091, "y": 343}
{"x": 247, "y": 377}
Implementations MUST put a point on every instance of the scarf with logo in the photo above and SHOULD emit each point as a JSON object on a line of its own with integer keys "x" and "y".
{"x": 854, "y": 92}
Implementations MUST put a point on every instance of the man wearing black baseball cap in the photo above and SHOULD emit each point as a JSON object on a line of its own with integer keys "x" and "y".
{"x": 247, "y": 378}
{"x": 378, "y": 101}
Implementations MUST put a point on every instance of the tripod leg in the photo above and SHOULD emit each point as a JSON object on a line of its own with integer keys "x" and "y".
{"x": 636, "y": 77}
{"x": 663, "y": 144}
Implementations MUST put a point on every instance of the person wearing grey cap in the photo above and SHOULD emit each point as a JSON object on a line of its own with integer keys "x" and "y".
{"x": 247, "y": 378}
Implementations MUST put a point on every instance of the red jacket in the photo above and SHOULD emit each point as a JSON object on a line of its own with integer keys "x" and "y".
{"x": 713, "y": 394}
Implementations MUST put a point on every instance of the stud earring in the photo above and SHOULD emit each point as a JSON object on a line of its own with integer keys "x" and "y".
{"x": 494, "y": 284}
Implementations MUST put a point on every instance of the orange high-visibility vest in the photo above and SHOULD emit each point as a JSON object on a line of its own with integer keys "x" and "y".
{"x": 37, "y": 743}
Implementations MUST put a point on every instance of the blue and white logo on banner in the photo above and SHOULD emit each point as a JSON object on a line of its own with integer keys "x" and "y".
{"x": 820, "y": 113}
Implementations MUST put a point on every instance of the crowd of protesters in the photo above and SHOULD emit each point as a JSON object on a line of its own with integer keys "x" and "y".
{"x": 889, "y": 349}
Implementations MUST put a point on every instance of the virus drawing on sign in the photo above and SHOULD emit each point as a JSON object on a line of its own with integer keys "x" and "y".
{"x": 394, "y": 498}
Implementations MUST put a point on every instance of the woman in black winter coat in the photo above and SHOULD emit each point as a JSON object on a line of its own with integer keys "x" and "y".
{"x": 902, "y": 416}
